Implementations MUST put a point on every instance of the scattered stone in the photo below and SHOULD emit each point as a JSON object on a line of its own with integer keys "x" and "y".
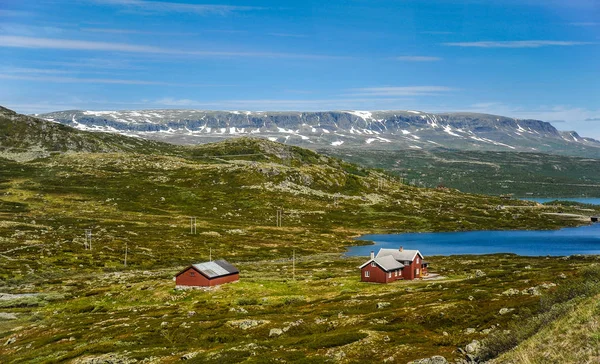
{"x": 562, "y": 276}
{"x": 189, "y": 356}
{"x": 164, "y": 324}
{"x": 470, "y": 331}
{"x": 389, "y": 359}
{"x": 10, "y": 341}
{"x": 436, "y": 359}
{"x": 471, "y": 298}
{"x": 191, "y": 313}
{"x": 379, "y": 321}
{"x": 479, "y": 273}
{"x": 504, "y": 310}
{"x": 336, "y": 355}
{"x": 8, "y": 316}
{"x": 275, "y": 332}
{"x": 547, "y": 285}
{"x": 511, "y": 292}
{"x": 383, "y": 304}
{"x": 444, "y": 333}
{"x": 238, "y": 310}
{"x": 386, "y": 339}
{"x": 533, "y": 291}
{"x": 247, "y": 324}
{"x": 473, "y": 348}
{"x": 527, "y": 267}
{"x": 296, "y": 323}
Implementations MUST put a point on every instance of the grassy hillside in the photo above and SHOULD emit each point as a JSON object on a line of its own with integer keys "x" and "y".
{"x": 26, "y": 138}
{"x": 574, "y": 338}
{"x": 67, "y": 302}
{"x": 494, "y": 173}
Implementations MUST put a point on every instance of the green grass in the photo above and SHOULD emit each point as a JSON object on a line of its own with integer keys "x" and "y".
{"x": 90, "y": 304}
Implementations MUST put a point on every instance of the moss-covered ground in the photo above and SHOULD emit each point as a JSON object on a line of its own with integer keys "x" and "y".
{"x": 87, "y": 304}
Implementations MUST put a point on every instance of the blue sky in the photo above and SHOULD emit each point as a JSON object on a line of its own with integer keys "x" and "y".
{"x": 519, "y": 58}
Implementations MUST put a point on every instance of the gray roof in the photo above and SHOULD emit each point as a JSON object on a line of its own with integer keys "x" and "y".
{"x": 215, "y": 269}
{"x": 387, "y": 263}
{"x": 399, "y": 255}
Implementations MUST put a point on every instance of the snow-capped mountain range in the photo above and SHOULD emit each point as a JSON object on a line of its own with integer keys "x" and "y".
{"x": 365, "y": 129}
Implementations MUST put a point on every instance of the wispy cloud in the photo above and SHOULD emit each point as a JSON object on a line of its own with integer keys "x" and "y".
{"x": 418, "y": 58}
{"x": 401, "y": 91}
{"x": 114, "y": 81}
{"x": 162, "y": 7}
{"x": 592, "y": 119}
{"x": 518, "y": 44}
{"x": 287, "y": 35}
{"x": 55, "y": 43}
{"x": 585, "y": 24}
{"x": 285, "y": 104}
{"x": 14, "y": 13}
{"x": 134, "y": 31}
{"x": 433, "y": 32}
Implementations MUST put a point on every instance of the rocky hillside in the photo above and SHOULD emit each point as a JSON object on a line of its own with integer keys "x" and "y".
{"x": 25, "y": 138}
{"x": 375, "y": 130}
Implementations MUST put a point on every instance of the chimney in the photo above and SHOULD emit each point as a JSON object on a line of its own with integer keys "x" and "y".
{"x": 401, "y": 248}
{"x": 372, "y": 254}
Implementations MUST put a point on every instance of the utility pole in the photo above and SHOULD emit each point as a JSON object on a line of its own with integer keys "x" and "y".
{"x": 380, "y": 183}
{"x": 88, "y": 239}
{"x": 294, "y": 264}
{"x": 193, "y": 225}
{"x": 210, "y": 254}
{"x": 126, "y": 254}
{"x": 279, "y": 221}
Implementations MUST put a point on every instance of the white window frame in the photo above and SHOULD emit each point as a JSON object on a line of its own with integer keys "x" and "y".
{"x": 373, "y": 264}
{"x": 417, "y": 260}
{"x": 367, "y": 274}
{"x": 389, "y": 274}
{"x": 417, "y": 273}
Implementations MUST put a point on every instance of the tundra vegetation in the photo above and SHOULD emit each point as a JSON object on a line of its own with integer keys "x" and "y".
{"x": 61, "y": 301}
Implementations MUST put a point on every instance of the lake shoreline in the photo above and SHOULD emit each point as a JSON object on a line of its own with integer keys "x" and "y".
{"x": 567, "y": 241}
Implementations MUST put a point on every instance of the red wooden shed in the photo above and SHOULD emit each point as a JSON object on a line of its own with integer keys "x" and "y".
{"x": 207, "y": 274}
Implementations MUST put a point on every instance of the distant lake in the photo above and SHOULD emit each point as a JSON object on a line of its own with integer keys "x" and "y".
{"x": 568, "y": 241}
{"x": 588, "y": 200}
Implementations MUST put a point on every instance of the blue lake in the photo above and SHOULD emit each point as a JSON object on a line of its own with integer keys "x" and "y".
{"x": 587, "y": 200}
{"x": 568, "y": 241}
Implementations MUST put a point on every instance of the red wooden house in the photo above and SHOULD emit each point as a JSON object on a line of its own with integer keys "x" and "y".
{"x": 390, "y": 265}
{"x": 207, "y": 274}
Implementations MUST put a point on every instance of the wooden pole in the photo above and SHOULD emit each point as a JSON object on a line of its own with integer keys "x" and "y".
{"x": 294, "y": 264}
{"x": 126, "y": 254}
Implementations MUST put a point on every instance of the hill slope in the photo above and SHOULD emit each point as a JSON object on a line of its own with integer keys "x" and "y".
{"x": 84, "y": 304}
{"x": 25, "y": 138}
{"x": 365, "y": 129}
{"x": 520, "y": 174}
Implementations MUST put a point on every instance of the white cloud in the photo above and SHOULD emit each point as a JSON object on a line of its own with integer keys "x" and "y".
{"x": 518, "y": 44}
{"x": 55, "y": 43}
{"x": 585, "y": 24}
{"x": 162, "y": 7}
{"x": 401, "y": 91}
{"x": 287, "y": 35}
{"x": 67, "y": 79}
{"x": 418, "y": 58}
{"x": 134, "y": 31}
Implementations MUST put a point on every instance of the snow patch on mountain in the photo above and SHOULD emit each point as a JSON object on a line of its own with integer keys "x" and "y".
{"x": 362, "y": 114}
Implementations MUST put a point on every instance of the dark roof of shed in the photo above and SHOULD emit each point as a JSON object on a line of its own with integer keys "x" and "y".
{"x": 214, "y": 269}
